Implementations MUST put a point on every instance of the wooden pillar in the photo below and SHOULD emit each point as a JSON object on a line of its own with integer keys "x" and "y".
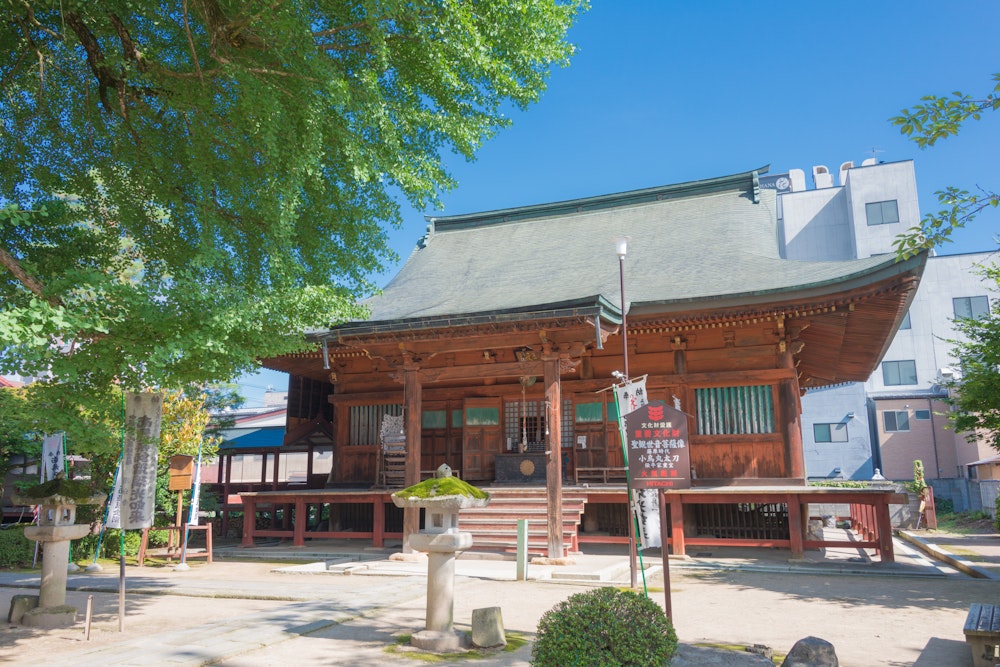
{"x": 299, "y": 527}
{"x": 884, "y": 523}
{"x": 413, "y": 397}
{"x": 249, "y": 520}
{"x": 791, "y": 426}
{"x": 274, "y": 472}
{"x": 795, "y": 527}
{"x": 378, "y": 521}
{"x": 553, "y": 466}
{"x": 678, "y": 547}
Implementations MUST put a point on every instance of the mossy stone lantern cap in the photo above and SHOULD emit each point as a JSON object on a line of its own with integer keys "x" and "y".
{"x": 58, "y": 498}
{"x": 442, "y": 497}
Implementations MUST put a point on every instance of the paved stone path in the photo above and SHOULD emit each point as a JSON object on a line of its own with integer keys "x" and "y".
{"x": 248, "y": 614}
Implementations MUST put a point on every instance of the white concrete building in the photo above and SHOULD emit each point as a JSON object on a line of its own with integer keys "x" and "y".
{"x": 897, "y": 416}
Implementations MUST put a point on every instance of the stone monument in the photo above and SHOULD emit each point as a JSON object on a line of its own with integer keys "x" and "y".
{"x": 57, "y": 499}
{"x": 441, "y": 497}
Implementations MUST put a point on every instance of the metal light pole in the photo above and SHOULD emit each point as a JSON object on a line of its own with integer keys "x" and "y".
{"x": 621, "y": 249}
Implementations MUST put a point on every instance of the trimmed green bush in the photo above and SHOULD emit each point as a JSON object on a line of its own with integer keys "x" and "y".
{"x": 604, "y": 627}
{"x": 16, "y": 550}
{"x": 83, "y": 549}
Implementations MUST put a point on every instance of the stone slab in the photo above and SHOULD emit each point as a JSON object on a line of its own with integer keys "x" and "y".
{"x": 19, "y": 606}
{"x": 487, "y": 628}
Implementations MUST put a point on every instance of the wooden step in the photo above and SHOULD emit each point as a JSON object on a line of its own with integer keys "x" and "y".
{"x": 494, "y": 527}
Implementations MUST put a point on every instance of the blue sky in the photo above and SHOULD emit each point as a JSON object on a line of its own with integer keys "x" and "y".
{"x": 663, "y": 92}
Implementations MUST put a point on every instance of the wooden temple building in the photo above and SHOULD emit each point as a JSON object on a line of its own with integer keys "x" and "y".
{"x": 494, "y": 347}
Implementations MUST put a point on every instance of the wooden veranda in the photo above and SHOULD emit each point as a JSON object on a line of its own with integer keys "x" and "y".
{"x": 287, "y": 515}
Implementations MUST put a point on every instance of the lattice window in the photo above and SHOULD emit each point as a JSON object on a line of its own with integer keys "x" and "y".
{"x": 530, "y": 423}
{"x": 735, "y": 410}
{"x": 366, "y": 420}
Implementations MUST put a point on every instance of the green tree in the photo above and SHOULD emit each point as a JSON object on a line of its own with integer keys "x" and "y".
{"x": 16, "y": 441}
{"x": 939, "y": 117}
{"x": 188, "y": 186}
{"x": 974, "y": 394}
{"x": 183, "y": 430}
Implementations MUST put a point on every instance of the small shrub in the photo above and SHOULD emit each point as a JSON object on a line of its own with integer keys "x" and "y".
{"x": 83, "y": 549}
{"x": 16, "y": 550}
{"x": 158, "y": 538}
{"x": 604, "y": 626}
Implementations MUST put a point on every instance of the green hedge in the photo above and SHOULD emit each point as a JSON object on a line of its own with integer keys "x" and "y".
{"x": 83, "y": 549}
{"x": 16, "y": 550}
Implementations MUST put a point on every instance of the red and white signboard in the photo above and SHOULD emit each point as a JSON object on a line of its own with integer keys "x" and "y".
{"x": 659, "y": 456}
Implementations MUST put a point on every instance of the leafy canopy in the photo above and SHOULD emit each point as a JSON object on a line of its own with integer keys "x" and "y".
{"x": 974, "y": 394}
{"x": 188, "y": 186}
{"x": 939, "y": 117}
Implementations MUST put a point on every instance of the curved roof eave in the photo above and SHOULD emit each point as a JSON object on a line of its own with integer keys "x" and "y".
{"x": 891, "y": 268}
{"x": 594, "y": 306}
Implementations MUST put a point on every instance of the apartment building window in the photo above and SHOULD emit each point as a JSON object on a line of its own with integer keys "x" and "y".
{"x": 895, "y": 421}
{"x": 830, "y": 432}
{"x": 882, "y": 212}
{"x": 905, "y": 324}
{"x": 971, "y": 307}
{"x": 922, "y": 415}
{"x": 899, "y": 372}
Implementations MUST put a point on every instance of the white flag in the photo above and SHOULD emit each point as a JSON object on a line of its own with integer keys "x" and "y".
{"x": 115, "y": 503}
{"x": 53, "y": 461}
{"x": 195, "y": 493}
{"x": 631, "y": 396}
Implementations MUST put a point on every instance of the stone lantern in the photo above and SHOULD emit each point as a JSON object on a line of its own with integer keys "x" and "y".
{"x": 441, "y": 497}
{"x": 56, "y": 527}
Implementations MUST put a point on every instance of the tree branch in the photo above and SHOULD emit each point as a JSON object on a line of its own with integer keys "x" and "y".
{"x": 95, "y": 58}
{"x": 190, "y": 39}
{"x": 10, "y": 263}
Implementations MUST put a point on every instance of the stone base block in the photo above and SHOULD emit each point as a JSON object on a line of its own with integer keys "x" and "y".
{"x": 50, "y": 617}
{"x": 487, "y": 628}
{"x": 439, "y": 642}
{"x": 19, "y": 606}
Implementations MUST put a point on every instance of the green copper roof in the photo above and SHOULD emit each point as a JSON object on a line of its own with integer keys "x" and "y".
{"x": 707, "y": 241}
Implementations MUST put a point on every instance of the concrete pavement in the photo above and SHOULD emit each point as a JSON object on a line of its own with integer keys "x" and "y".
{"x": 340, "y": 604}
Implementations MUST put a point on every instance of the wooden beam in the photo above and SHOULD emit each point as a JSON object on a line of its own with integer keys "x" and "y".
{"x": 482, "y": 371}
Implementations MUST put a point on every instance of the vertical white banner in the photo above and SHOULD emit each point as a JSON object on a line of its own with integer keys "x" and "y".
{"x": 195, "y": 492}
{"x": 646, "y": 506}
{"x": 645, "y": 509}
{"x": 142, "y": 437}
{"x": 53, "y": 460}
{"x": 115, "y": 503}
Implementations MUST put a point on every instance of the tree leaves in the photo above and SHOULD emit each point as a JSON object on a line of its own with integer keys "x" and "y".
{"x": 188, "y": 186}
{"x": 941, "y": 117}
{"x": 960, "y": 208}
{"x": 938, "y": 118}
